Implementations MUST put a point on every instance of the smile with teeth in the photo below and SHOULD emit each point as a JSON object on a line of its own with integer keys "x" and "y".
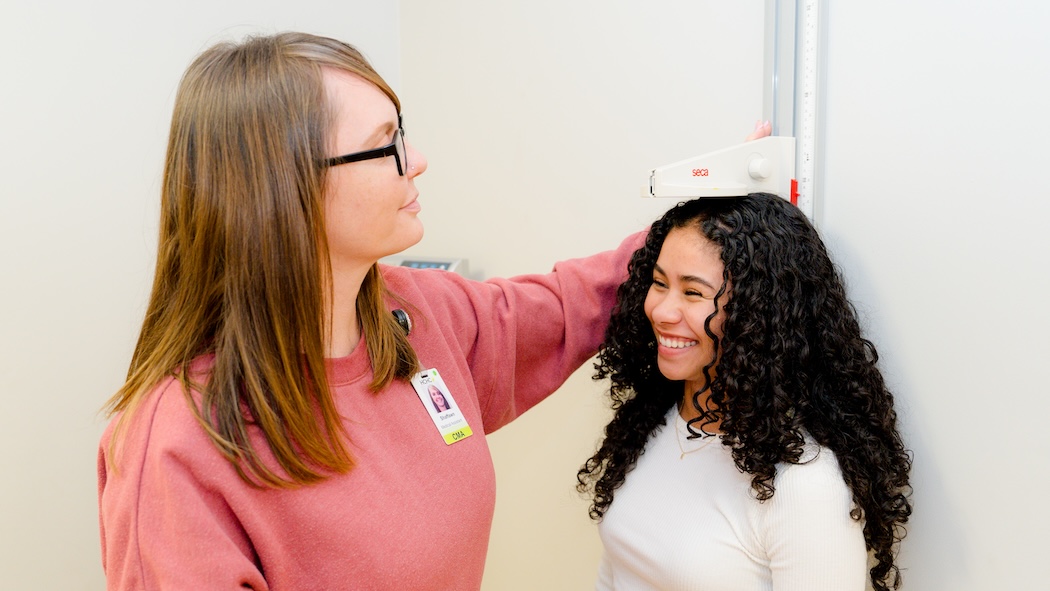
{"x": 674, "y": 343}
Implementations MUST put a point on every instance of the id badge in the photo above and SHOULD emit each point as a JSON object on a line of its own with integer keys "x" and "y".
{"x": 436, "y": 398}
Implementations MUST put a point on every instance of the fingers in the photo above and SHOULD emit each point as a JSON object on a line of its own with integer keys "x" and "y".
{"x": 762, "y": 129}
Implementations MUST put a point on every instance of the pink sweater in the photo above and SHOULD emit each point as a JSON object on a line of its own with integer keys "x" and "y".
{"x": 414, "y": 513}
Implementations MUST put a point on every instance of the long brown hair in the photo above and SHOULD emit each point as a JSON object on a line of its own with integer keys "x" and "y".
{"x": 242, "y": 265}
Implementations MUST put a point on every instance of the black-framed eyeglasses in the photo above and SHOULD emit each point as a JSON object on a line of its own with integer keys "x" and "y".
{"x": 395, "y": 149}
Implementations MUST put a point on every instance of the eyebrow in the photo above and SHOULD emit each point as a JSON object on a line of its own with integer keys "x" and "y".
{"x": 382, "y": 132}
{"x": 686, "y": 278}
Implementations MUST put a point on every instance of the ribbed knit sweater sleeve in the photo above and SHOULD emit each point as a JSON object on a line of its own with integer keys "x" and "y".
{"x": 812, "y": 542}
{"x": 522, "y": 337}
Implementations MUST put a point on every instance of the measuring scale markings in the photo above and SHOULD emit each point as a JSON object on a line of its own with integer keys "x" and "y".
{"x": 807, "y": 136}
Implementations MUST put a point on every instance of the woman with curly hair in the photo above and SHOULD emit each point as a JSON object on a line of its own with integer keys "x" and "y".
{"x": 754, "y": 442}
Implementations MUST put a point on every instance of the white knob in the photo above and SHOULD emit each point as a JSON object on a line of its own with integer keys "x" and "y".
{"x": 759, "y": 168}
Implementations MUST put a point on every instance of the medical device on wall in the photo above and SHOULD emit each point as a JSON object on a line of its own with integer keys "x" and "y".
{"x": 786, "y": 163}
{"x": 764, "y": 165}
{"x": 456, "y": 265}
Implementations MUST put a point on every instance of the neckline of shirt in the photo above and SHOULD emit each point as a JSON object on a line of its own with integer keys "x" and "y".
{"x": 353, "y": 367}
{"x": 686, "y": 445}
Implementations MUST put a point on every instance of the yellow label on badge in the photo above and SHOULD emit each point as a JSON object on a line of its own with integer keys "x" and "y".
{"x": 458, "y": 435}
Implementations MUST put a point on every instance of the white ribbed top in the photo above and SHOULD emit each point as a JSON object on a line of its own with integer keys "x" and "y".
{"x": 692, "y": 523}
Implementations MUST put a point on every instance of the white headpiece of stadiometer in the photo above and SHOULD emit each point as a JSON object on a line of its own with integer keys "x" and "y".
{"x": 764, "y": 165}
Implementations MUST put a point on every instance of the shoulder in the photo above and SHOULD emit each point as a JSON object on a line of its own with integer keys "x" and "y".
{"x": 817, "y": 466}
{"x": 817, "y": 476}
{"x": 162, "y": 426}
{"x": 443, "y": 299}
{"x": 405, "y": 278}
{"x": 429, "y": 287}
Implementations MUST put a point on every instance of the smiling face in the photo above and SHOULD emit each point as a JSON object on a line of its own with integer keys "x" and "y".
{"x": 436, "y": 396}
{"x": 370, "y": 210}
{"x": 687, "y": 276}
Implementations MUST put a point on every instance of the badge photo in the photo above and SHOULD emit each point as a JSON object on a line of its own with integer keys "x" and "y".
{"x": 439, "y": 403}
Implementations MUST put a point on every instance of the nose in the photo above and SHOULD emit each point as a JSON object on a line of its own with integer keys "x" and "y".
{"x": 666, "y": 310}
{"x": 417, "y": 162}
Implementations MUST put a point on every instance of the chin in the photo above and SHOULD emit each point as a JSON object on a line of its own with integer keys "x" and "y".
{"x": 408, "y": 238}
{"x": 417, "y": 234}
{"x": 678, "y": 374}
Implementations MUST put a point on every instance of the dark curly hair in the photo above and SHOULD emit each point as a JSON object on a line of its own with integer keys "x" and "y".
{"x": 792, "y": 358}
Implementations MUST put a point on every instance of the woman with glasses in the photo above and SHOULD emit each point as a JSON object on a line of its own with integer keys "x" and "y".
{"x": 754, "y": 444}
{"x": 275, "y": 430}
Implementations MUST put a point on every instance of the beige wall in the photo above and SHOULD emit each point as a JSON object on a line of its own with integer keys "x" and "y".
{"x": 937, "y": 205}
